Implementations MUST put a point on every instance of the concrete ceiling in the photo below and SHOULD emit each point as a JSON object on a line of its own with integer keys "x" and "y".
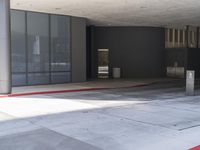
{"x": 121, "y": 12}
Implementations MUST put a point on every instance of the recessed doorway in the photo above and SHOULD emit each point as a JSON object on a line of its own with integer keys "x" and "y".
{"x": 103, "y": 63}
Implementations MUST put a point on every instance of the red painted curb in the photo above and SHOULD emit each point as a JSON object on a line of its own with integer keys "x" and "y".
{"x": 195, "y": 148}
{"x": 69, "y": 91}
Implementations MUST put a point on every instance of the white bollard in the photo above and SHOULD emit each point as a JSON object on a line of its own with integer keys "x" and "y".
{"x": 190, "y": 77}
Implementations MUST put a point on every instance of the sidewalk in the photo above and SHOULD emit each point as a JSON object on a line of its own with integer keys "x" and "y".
{"x": 80, "y": 87}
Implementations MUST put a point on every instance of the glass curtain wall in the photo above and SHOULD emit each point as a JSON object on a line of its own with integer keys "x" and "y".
{"x": 60, "y": 49}
{"x": 40, "y": 48}
{"x": 18, "y": 42}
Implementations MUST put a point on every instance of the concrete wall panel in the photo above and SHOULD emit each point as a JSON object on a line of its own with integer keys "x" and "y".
{"x": 78, "y": 47}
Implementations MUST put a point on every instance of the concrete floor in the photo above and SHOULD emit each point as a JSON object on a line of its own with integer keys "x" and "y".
{"x": 156, "y": 117}
{"x": 104, "y": 83}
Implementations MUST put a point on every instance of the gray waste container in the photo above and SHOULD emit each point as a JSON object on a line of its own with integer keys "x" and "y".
{"x": 116, "y": 73}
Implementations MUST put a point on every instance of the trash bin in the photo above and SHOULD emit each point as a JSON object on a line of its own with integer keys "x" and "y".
{"x": 116, "y": 73}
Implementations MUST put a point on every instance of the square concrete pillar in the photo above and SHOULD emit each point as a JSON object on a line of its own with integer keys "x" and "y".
{"x": 5, "y": 48}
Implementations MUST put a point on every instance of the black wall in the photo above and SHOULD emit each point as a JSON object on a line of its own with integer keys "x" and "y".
{"x": 193, "y": 60}
{"x": 185, "y": 57}
{"x": 178, "y": 55}
{"x": 138, "y": 51}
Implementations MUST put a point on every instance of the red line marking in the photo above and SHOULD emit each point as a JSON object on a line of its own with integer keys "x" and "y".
{"x": 195, "y": 148}
{"x": 68, "y": 91}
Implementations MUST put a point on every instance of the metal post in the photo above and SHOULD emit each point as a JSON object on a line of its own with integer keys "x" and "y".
{"x": 190, "y": 76}
{"x": 5, "y": 50}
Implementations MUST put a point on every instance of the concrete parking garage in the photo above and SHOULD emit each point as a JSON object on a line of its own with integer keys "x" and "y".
{"x": 99, "y": 75}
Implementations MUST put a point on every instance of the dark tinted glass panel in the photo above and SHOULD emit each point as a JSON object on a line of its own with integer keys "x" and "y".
{"x": 191, "y": 37}
{"x": 195, "y": 39}
{"x": 38, "y": 42}
{"x": 199, "y": 39}
{"x": 18, "y": 41}
{"x": 18, "y": 79}
{"x": 38, "y": 78}
{"x": 176, "y": 35}
{"x": 166, "y": 35}
{"x": 181, "y": 36}
{"x": 60, "y": 77}
{"x": 60, "y": 43}
{"x": 171, "y": 35}
{"x": 186, "y": 38}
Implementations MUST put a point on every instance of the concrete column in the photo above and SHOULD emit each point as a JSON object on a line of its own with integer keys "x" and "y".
{"x": 5, "y": 50}
{"x": 78, "y": 47}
